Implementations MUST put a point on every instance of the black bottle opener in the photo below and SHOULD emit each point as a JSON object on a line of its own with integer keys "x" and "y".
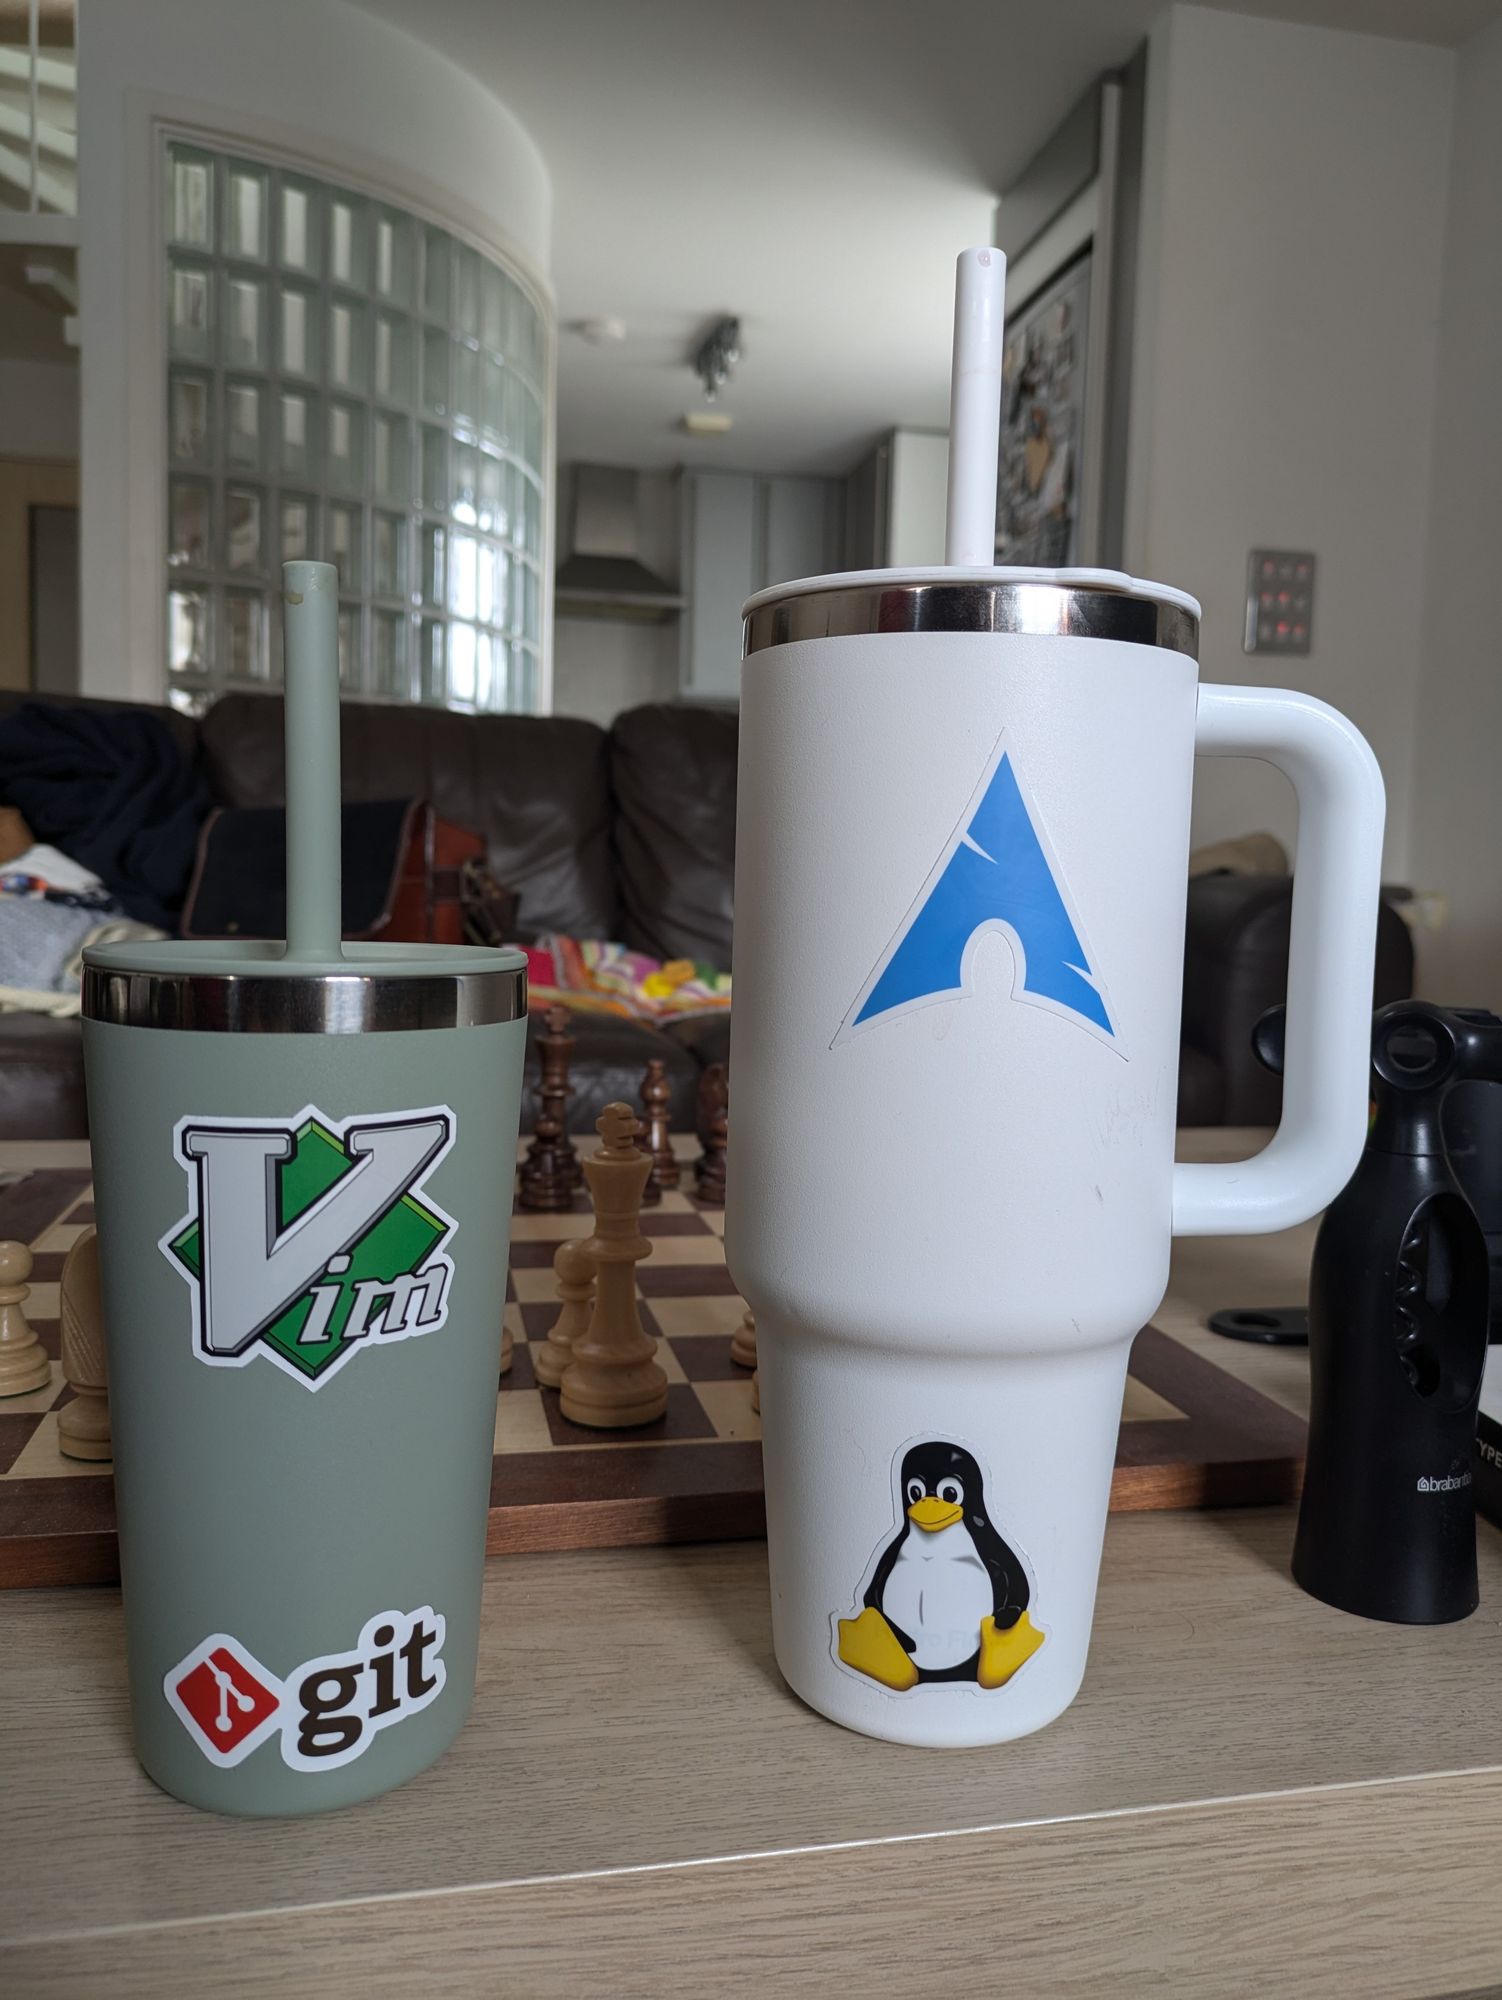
{"x": 1397, "y": 1343}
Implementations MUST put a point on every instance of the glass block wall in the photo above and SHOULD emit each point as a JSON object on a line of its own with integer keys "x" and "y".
{"x": 347, "y": 381}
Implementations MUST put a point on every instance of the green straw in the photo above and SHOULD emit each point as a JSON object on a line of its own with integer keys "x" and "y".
{"x": 310, "y": 595}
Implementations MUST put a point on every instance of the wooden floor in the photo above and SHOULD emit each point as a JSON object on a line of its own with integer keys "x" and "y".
{"x": 1253, "y": 1795}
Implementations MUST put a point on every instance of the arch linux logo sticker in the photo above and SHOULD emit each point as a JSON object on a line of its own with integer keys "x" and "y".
{"x": 997, "y": 872}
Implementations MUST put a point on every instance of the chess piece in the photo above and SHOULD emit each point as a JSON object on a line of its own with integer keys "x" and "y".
{"x": 508, "y": 1348}
{"x": 23, "y": 1360}
{"x": 756, "y": 1392}
{"x": 612, "y": 1380}
{"x": 83, "y": 1426}
{"x": 656, "y": 1097}
{"x": 574, "y": 1272}
{"x": 743, "y": 1342}
{"x": 714, "y": 1132}
{"x": 550, "y": 1172}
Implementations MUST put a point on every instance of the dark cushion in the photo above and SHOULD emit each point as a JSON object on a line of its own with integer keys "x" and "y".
{"x": 534, "y": 787}
{"x": 1202, "y": 1087}
{"x": 41, "y": 1078}
{"x": 1236, "y": 967}
{"x": 705, "y": 1036}
{"x": 672, "y": 773}
{"x": 607, "y": 1066}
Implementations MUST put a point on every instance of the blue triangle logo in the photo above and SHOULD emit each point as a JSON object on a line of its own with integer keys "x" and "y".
{"x": 996, "y": 873}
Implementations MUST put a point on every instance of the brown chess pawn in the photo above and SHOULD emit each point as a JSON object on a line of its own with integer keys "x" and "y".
{"x": 23, "y": 1360}
{"x": 714, "y": 1131}
{"x": 612, "y": 1380}
{"x": 550, "y": 1172}
{"x": 656, "y": 1100}
{"x": 574, "y": 1274}
{"x": 83, "y": 1426}
{"x": 743, "y": 1342}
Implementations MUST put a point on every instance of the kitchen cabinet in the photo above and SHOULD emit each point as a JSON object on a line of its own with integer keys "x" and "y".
{"x": 741, "y": 532}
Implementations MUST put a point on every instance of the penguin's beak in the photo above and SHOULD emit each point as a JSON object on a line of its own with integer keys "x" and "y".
{"x": 932, "y": 1513}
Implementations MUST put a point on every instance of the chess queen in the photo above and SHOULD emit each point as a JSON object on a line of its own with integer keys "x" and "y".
{"x": 961, "y": 865}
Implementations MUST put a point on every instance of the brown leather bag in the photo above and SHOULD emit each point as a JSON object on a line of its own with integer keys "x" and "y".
{"x": 408, "y": 877}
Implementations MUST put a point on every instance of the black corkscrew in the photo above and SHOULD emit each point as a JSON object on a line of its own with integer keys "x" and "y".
{"x": 1398, "y": 1296}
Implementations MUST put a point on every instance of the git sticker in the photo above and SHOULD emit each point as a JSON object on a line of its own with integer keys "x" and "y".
{"x": 328, "y": 1711}
{"x": 945, "y": 1597}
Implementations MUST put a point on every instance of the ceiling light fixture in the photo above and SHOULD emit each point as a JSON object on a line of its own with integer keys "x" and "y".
{"x": 600, "y": 329}
{"x": 716, "y": 355}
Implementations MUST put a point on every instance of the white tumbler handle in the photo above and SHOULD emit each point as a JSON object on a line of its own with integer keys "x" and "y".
{"x": 1331, "y": 954}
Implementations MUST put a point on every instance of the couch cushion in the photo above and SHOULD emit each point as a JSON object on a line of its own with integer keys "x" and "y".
{"x": 535, "y": 787}
{"x": 41, "y": 1078}
{"x": 672, "y": 771}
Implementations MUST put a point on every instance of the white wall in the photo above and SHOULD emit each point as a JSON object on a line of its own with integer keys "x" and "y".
{"x": 320, "y": 79}
{"x": 1284, "y": 363}
{"x": 1457, "y": 827}
{"x": 39, "y": 409}
{"x": 602, "y": 665}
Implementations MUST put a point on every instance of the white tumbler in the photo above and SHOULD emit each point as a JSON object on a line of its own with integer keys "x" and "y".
{"x": 961, "y": 864}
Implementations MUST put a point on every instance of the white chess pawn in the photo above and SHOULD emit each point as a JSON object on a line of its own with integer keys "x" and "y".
{"x": 23, "y": 1360}
{"x": 743, "y": 1342}
{"x": 83, "y": 1426}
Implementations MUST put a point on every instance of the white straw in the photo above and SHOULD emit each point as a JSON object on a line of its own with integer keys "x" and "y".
{"x": 975, "y": 407}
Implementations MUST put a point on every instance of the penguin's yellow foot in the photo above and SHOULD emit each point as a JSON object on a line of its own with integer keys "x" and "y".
{"x": 869, "y": 1644}
{"x": 1002, "y": 1653}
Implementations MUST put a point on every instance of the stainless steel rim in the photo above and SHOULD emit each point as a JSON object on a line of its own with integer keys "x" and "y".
{"x": 335, "y": 1003}
{"x": 977, "y": 605}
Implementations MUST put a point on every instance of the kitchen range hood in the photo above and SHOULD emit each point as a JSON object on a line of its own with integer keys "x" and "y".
{"x": 603, "y": 575}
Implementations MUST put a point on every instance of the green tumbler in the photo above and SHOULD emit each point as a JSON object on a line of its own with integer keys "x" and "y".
{"x": 303, "y": 1164}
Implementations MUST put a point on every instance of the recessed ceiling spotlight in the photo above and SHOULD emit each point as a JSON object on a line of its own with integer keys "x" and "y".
{"x": 706, "y": 423}
{"x": 600, "y": 329}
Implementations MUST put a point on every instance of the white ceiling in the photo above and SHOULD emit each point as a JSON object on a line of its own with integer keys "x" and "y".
{"x": 810, "y": 165}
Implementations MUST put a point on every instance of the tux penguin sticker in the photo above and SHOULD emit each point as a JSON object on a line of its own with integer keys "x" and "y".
{"x": 946, "y": 1597}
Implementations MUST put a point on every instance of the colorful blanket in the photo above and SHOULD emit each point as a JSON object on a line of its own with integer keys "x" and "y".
{"x": 605, "y": 978}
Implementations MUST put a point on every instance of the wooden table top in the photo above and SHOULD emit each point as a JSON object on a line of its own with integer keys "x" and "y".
{"x": 1252, "y": 1792}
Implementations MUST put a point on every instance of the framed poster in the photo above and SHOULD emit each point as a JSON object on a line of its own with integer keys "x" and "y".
{"x": 1043, "y": 423}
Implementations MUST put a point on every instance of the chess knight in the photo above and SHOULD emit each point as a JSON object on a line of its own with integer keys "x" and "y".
{"x": 947, "y": 1598}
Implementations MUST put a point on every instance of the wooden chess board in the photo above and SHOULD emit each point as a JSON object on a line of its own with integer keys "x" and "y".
{"x": 1192, "y": 1435}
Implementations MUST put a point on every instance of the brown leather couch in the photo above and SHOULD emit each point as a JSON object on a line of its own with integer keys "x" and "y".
{"x": 630, "y": 833}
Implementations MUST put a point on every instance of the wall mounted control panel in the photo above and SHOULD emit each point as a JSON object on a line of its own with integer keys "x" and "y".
{"x": 1279, "y": 601}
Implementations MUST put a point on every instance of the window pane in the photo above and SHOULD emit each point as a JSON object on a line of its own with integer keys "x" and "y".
{"x": 344, "y": 545}
{"x": 388, "y": 533}
{"x": 299, "y": 225}
{"x": 434, "y": 684}
{"x": 435, "y": 466}
{"x": 188, "y": 631}
{"x": 463, "y": 467}
{"x": 349, "y": 646}
{"x": 245, "y": 635}
{"x": 347, "y": 240}
{"x": 434, "y": 545}
{"x": 188, "y": 418}
{"x": 346, "y": 345}
{"x": 244, "y": 322}
{"x": 190, "y": 198}
{"x": 245, "y": 212}
{"x": 188, "y": 524}
{"x": 388, "y": 648}
{"x": 435, "y": 371}
{"x": 243, "y": 425}
{"x": 297, "y": 434}
{"x": 242, "y": 528}
{"x": 299, "y": 336}
{"x": 390, "y": 473}
{"x": 393, "y": 255}
{"x": 298, "y": 515}
{"x": 393, "y": 358}
{"x": 346, "y": 447}
{"x": 464, "y": 382}
{"x": 190, "y": 325}
{"x": 436, "y": 279}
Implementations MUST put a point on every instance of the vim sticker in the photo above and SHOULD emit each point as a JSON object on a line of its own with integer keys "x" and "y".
{"x": 328, "y": 1711}
{"x": 309, "y": 1240}
{"x": 945, "y": 1598}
